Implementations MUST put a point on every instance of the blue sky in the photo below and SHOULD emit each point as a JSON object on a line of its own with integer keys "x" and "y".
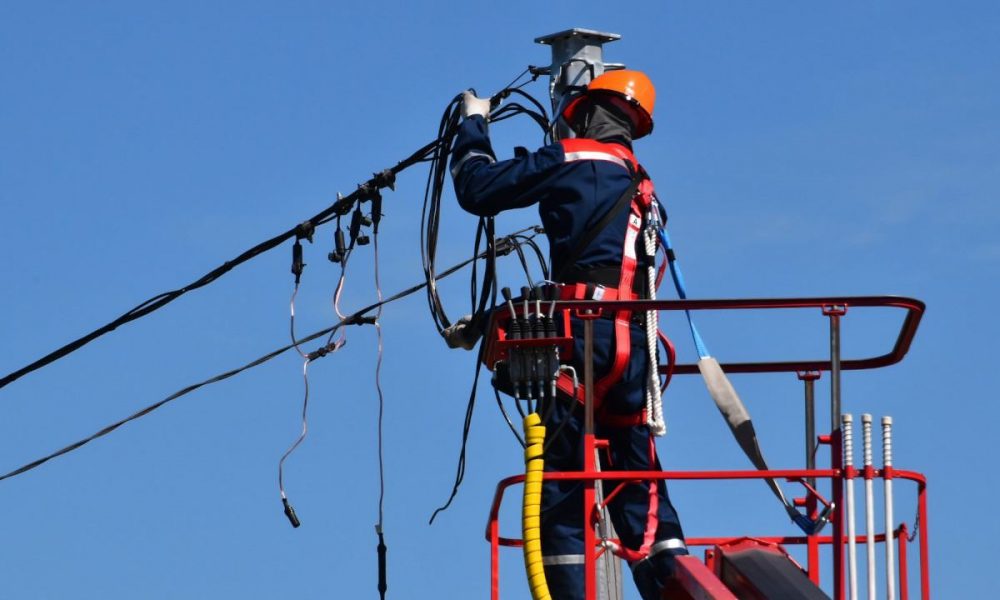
{"x": 800, "y": 149}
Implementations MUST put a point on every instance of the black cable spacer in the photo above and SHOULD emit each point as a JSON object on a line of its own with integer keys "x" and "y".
{"x": 305, "y": 230}
{"x": 318, "y": 353}
{"x": 385, "y": 179}
{"x": 343, "y": 204}
{"x": 503, "y": 246}
{"x": 360, "y": 320}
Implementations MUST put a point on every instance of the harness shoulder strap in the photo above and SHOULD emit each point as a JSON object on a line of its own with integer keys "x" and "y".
{"x": 584, "y": 242}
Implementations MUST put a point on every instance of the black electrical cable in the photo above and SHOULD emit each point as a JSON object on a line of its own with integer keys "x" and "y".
{"x": 430, "y": 217}
{"x": 382, "y": 179}
{"x": 381, "y": 548}
{"x": 466, "y": 427}
{"x": 483, "y": 303}
{"x": 524, "y": 265}
{"x": 289, "y": 510}
{"x": 513, "y": 109}
{"x": 539, "y": 255}
{"x": 474, "y": 279}
{"x": 506, "y": 417}
{"x": 351, "y": 319}
{"x": 526, "y": 71}
{"x": 431, "y": 211}
{"x": 429, "y": 231}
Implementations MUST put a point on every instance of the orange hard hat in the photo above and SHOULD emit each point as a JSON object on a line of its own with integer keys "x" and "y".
{"x": 632, "y": 86}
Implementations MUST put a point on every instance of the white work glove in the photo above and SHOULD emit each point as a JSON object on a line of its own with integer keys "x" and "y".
{"x": 462, "y": 334}
{"x": 475, "y": 106}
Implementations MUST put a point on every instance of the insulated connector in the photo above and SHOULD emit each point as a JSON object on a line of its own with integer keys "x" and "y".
{"x": 340, "y": 247}
{"x": 381, "y": 550}
{"x": 290, "y": 513}
{"x": 376, "y": 210}
{"x": 297, "y": 265}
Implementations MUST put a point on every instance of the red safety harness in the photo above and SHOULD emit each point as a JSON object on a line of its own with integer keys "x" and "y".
{"x": 641, "y": 201}
{"x": 584, "y": 149}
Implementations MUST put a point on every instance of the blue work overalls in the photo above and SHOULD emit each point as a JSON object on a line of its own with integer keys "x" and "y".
{"x": 572, "y": 196}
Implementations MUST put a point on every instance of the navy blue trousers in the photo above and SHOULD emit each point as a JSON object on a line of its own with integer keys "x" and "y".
{"x": 562, "y": 516}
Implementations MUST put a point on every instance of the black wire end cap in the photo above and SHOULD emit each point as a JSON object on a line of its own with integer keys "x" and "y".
{"x": 290, "y": 513}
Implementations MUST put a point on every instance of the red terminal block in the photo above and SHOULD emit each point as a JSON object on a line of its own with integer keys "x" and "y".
{"x": 498, "y": 343}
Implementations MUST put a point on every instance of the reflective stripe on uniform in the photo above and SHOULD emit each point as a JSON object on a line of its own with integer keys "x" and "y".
{"x": 563, "y": 559}
{"x": 658, "y": 547}
{"x": 575, "y": 149}
{"x": 591, "y": 155}
{"x": 668, "y": 544}
{"x": 470, "y": 154}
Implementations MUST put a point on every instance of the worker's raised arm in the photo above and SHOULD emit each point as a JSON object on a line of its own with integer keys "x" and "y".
{"x": 485, "y": 186}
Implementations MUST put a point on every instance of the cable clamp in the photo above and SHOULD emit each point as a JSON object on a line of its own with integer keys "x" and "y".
{"x": 537, "y": 72}
{"x": 360, "y": 320}
{"x": 305, "y": 231}
{"x": 318, "y": 353}
{"x": 343, "y": 204}
{"x": 503, "y": 246}
{"x": 384, "y": 179}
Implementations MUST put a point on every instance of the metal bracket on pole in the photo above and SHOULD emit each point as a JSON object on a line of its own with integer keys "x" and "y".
{"x": 577, "y": 57}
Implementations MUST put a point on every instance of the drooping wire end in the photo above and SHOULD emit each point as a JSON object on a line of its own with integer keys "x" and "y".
{"x": 382, "y": 575}
{"x": 290, "y": 513}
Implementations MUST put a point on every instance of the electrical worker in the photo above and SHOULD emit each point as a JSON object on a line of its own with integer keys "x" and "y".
{"x": 579, "y": 185}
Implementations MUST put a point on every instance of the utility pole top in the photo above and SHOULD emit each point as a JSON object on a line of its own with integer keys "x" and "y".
{"x": 577, "y": 58}
{"x": 599, "y": 36}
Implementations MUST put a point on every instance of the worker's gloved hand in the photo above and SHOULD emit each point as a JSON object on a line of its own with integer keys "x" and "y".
{"x": 462, "y": 334}
{"x": 471, "y": 105}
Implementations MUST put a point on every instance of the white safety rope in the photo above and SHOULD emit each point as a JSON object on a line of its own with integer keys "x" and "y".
{"x": 654, "y": 400}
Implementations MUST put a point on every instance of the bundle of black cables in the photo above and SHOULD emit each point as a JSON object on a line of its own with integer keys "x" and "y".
{"x": 484, "y": 295}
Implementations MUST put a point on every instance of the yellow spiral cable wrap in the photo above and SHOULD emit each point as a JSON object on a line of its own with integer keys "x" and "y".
{"x": 534, "y": 435}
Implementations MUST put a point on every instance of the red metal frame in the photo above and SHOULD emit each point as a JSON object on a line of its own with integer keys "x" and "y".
{"x": 698, "y": 581}
{"x": 914, "y": 312}
{"x": 831, "y": 307}
{"x": 496, "y": 540}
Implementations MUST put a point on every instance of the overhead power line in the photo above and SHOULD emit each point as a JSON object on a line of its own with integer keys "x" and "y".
{"x": 366, "y": 191}
{"x": 504, "y": 246}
